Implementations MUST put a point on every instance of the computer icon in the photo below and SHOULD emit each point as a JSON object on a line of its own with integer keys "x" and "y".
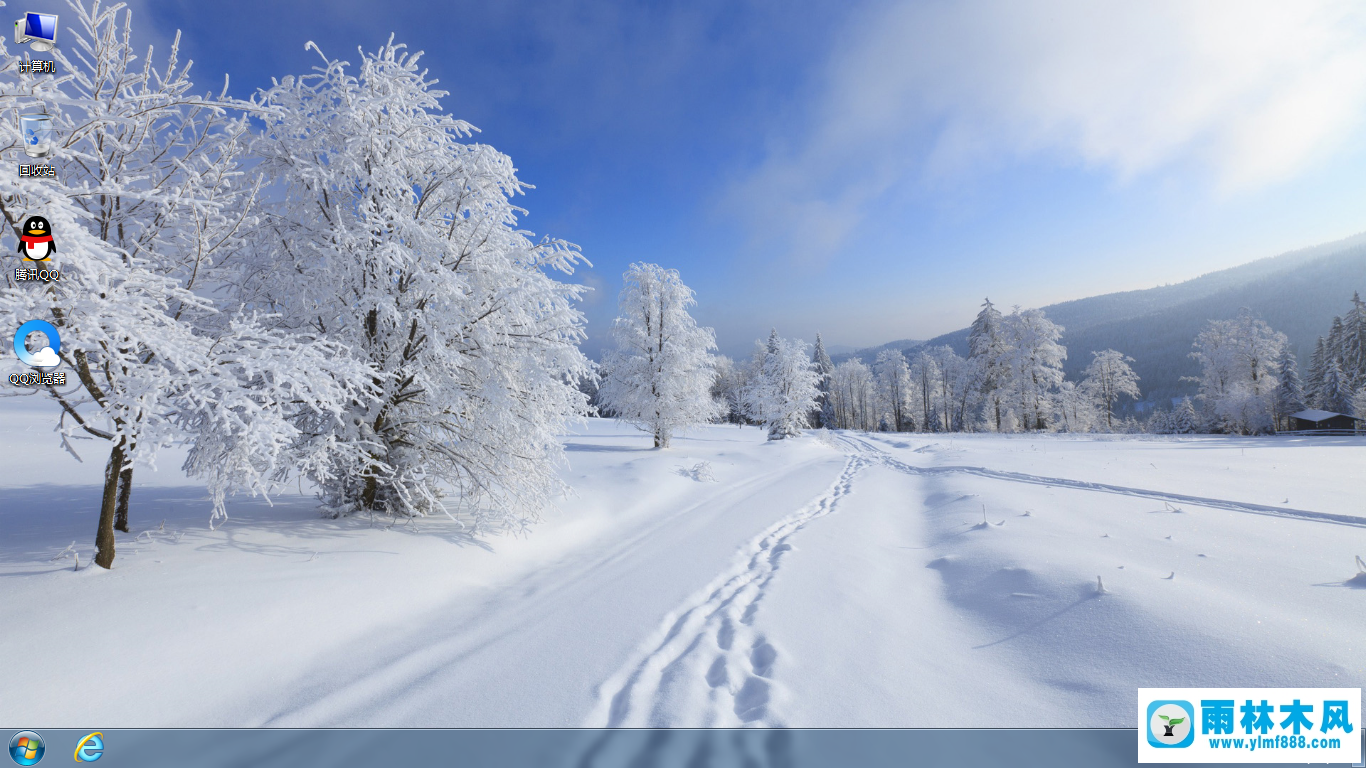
{"x": 39, "y": 30}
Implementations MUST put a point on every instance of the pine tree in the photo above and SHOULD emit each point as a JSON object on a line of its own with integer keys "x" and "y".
{"x": 1159, "y": 422}
{"x": 1353, "y": 350}
{"x": 1336, "y": 394}
{"x": 986, "y": 348}
{"x": 1185, "y": 420}
{"x": 1289, "y": 393}
{"x": 824, "y": 415}
{"x": 1318, "y": 368}
{"x": 661, "y": 370}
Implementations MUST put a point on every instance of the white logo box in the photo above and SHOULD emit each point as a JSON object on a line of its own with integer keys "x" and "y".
{"x": 1288, "y": 725}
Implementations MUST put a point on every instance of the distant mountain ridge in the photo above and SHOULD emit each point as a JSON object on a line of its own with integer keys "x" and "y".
{"x": 869, "y": 354}
{"x": 1297, "y": 293}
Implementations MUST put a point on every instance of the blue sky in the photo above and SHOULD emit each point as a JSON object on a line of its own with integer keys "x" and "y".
{"x": 872, "y": 170}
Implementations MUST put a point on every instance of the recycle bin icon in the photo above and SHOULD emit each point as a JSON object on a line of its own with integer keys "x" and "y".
{"x": 38, "y": 134}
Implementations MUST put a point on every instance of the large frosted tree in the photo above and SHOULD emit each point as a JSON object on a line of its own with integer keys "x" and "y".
{"x": 661, "y": 373}
{"x": 783, "y": 391}
{"x": 1238, "y": 371}
{"x": 398, "y": 238}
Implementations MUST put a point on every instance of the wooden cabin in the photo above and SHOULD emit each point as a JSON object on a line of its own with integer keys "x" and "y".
{"x": 1314, "y": 421}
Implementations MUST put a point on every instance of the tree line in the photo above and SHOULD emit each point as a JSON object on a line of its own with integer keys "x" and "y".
{"x": 1011, "y": 380}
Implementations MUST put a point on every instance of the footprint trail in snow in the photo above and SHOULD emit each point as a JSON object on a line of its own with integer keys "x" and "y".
{"x": 708, "y": 665}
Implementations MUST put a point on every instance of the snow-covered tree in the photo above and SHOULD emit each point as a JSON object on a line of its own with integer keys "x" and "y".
{"x": 728, "y": 387}
{"x": 893, "y": 388}
{"x": 1185, "y": 419}
{"x": 824, "y": 415}
{"x": 1079, "y": 409}
{"x": 661, "y": 372}
{"x": 987, "y": 350}
{"x": 399, "y": 240}
{"x": 1033, "y": 357}
{"x": 1359, "y": 403}
{"x": 853, "y": 392}
{"x": 152, "y": 203}
{"x": 1335, "y": 393}
{"x": 1352, "y": 346}
{"x": 785, "y": 384}
{"x": 1289, "y": 392}
{"x": 1318, "y": 367}
{"x": 924, "y": 390}
{"x": 1107, "y": 378}
{"x": 1159, "y": 422}
{"x": 956, "y": 381}
{"x": 1238, "y": 371}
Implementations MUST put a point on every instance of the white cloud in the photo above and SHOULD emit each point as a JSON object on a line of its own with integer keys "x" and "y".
{"x": 1243, "y": 94}
{"x": 45, "y": 358}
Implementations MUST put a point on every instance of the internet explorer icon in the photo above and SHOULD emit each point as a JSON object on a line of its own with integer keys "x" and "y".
{"x": 90, "y": 749}
{"x": 26, "y": 747}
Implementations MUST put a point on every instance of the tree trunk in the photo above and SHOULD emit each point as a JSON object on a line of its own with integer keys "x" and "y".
{"x": 104, "y": 535}
{"x": 661, "y": 439}
{"x": 125, "y": 490}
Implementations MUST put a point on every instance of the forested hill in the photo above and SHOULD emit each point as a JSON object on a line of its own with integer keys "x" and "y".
{"x": 1297, "y": 293}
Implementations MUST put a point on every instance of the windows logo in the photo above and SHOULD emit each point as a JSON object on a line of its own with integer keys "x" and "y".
{"x": 26, "y": 747}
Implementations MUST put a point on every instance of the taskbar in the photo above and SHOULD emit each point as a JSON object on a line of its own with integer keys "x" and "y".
{"x": 574, "y": 748}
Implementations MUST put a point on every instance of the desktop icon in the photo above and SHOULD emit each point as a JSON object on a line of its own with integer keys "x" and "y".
{"x": 39, "y": 30}
{"x": 35, "y": 239}
{"x": 26, "y": 747}
{"x": 91, "y": 748}
{"x": 48, "y": 356}
{"x": 36, "y": 129}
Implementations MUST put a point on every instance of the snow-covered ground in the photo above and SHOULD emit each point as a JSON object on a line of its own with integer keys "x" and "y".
{"x": 834, "y": 580}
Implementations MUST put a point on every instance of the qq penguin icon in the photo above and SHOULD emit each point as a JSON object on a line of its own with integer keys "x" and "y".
{"x": 35, "y": 239}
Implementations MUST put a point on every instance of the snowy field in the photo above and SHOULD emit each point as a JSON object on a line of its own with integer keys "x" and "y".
{"x": 834, "y": 580}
